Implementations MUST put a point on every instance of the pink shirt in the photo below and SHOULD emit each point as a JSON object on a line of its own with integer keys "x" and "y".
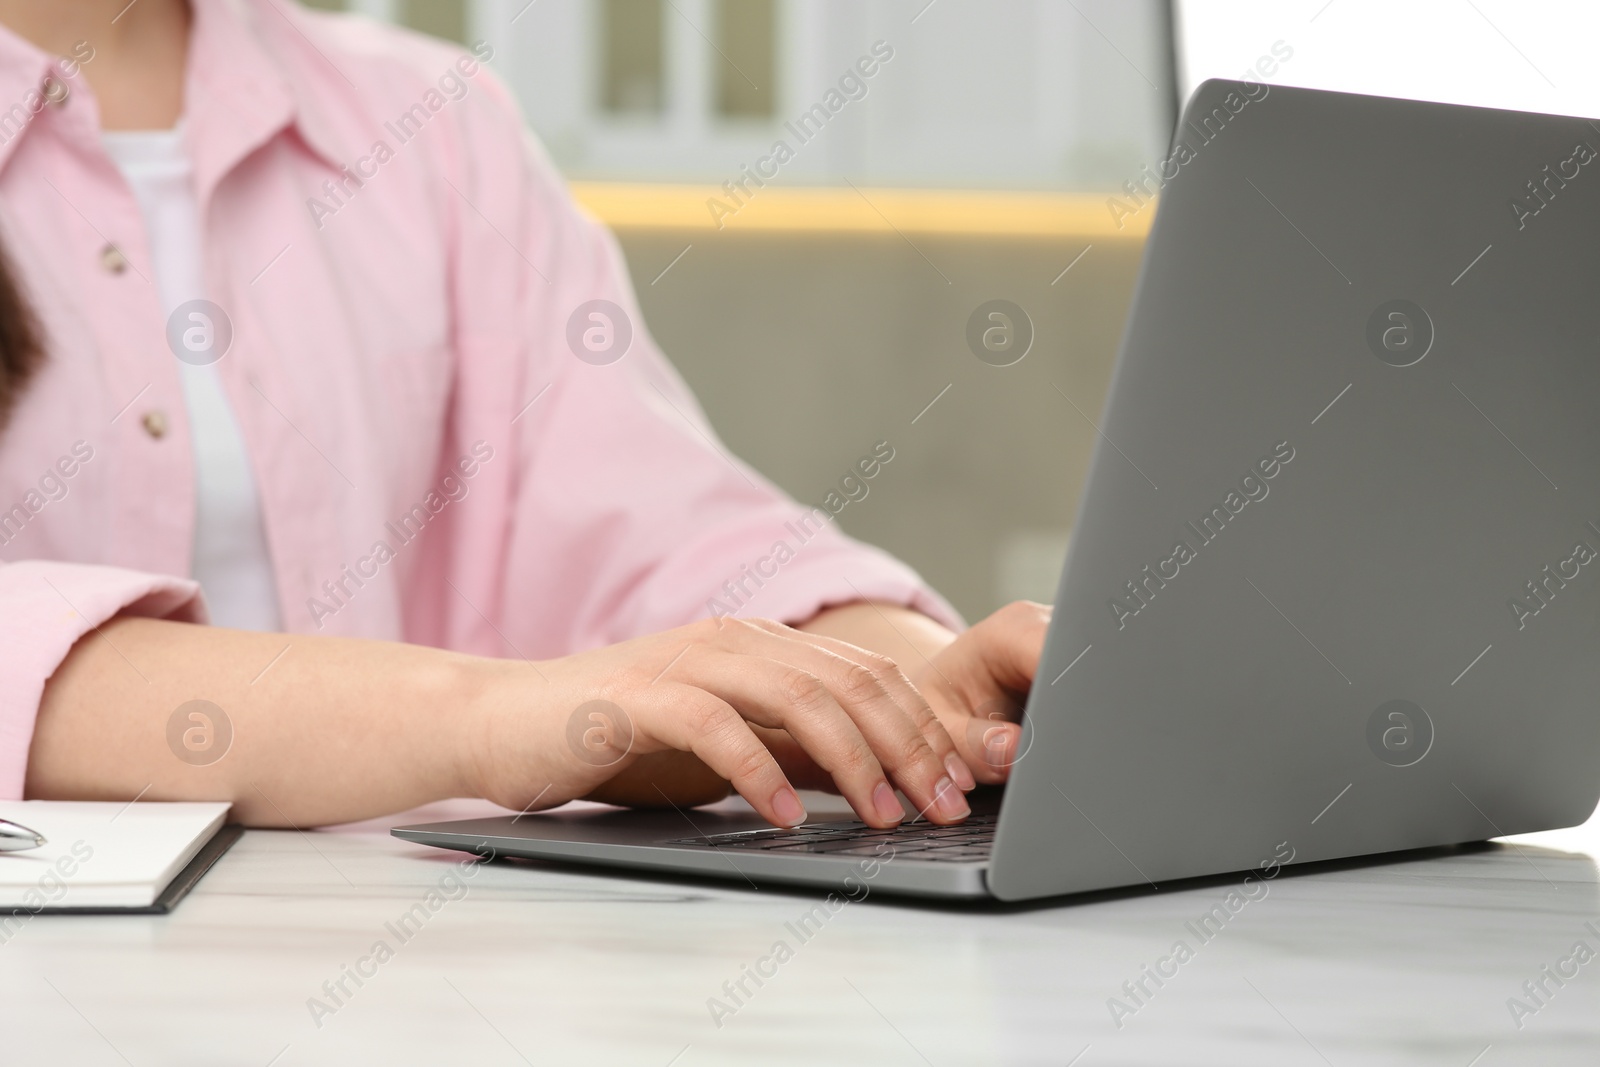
{"x": 404, "y": 274}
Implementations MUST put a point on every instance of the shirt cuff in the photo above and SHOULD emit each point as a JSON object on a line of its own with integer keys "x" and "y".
{"x": 45, "y": 608}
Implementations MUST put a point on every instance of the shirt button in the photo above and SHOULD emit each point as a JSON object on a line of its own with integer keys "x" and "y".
{"x": 155, "y": 424}
{"x": 112, "y": 259}
{"x": 55, "y": 91}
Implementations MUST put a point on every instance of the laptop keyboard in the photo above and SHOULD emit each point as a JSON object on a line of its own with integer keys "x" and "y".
{"x": 968, "y": 842}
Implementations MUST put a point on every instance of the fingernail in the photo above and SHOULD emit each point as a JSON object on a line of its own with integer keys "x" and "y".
{"x": 959, "y": 771}
{"x": 884, "y": 802}
{"x": 994, "y": 748}
{"x": 787, "y": 807}
{"x": 1000, "y": 746}
{"x": 949, "y": 801}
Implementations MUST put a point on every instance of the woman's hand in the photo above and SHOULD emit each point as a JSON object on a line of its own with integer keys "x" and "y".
{"x": 722, "y": 690}
{"x": 976, "y": 682}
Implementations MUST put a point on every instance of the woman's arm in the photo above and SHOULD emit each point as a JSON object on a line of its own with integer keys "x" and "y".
{"x": 333, "y": 730}
{"x": 330, "y": 730}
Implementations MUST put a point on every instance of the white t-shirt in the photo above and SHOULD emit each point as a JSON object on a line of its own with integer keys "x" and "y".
{"x": 231, "y": 561}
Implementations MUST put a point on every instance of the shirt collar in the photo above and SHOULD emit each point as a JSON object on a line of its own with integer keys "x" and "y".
{"x": 252, "y": 74}
{"x": 24, "y": 74}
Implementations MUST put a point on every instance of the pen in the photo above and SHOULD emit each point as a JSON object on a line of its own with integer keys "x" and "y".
{"x": 17, "y": 838}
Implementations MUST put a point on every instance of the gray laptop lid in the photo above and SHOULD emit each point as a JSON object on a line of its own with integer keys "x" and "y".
{"x": 1334, "y": 587}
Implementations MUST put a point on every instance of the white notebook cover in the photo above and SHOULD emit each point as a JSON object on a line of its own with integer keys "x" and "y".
{"x": 101, "y": 855}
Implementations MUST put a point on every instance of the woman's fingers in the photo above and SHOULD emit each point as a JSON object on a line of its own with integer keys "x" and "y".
{"x": 900, "y": 690}
{"x": 688, "y": 718}
{"x": 776, "y": 695}
{"x": 979, "y": 679}
{"x": 796, "y": 762}
{"x": 989, "y": 737}
{"x": 864, "y": 694}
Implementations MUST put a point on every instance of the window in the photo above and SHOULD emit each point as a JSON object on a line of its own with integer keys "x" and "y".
{"x": 746, "y": 39}
{"x": 442, "y": 18}
{"x": 631, "y": 67}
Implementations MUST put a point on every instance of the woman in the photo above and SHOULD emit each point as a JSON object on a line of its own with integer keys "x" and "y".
{"x": 295, "y": 308}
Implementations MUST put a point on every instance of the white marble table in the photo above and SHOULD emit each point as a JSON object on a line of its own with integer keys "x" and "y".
{"x": 1401, "y": 963}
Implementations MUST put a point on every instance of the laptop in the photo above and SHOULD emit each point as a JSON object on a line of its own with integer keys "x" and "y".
{"x": 1334, "y": 589}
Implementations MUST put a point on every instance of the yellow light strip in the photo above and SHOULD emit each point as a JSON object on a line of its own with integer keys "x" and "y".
{"x": 626, "y": 206}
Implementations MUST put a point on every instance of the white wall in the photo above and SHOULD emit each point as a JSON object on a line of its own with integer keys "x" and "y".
{"x": 1491, "y": 53}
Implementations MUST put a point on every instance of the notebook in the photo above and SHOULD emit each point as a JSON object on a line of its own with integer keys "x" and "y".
{"x": 110, "y": 856}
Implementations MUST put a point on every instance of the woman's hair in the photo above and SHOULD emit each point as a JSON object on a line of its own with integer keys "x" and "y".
{"x": 20, "y": 349}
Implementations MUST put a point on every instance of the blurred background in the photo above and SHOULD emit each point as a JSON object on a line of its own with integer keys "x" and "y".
{"x": 986, "y": 157}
